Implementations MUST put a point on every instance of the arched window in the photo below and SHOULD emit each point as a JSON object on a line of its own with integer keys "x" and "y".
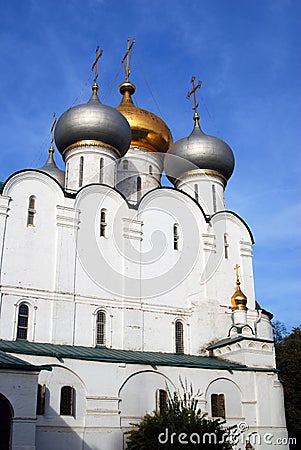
{"x": 218, "y": 405}
{"x": 22, "y": 327}
{"x": 125, "y": 164}
{"x": 196, "y": 192}
{"x": 226, "y": 246}
{"x": 66, "y": 403}
{"x": 31, "y": 210}
{"x": 179, "y": 337}
{"x": 139, "y": 185}
{"x": 41, "y": 399}
{"x": 100, "y": 328}
{"x": 103, "y": 222}
{"x": 101, "y": 164}
{"x": 150, "y": 170}
{"x": 214, "y": 198}
{"x": 176, "y": 236}
{"x": 81, "y": 171}
{"x": 161, "y": 400}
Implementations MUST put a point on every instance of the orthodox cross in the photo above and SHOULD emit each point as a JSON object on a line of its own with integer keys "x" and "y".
{"x": 52, "y": 128}
{"x": 193, "y": 91}
{"x": 237, "y": 275}
{"x": 127, "y": 57}
{"x": 98, "y": 55}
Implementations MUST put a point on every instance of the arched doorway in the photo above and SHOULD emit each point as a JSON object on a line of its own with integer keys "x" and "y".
{"x": 5, "y": 422}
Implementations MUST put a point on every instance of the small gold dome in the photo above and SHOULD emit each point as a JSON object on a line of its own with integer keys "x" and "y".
{"x": 238, "y": 299}
{"x": 148, "y": 130}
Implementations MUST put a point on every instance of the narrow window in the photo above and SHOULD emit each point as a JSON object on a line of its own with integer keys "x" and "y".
{"x": 214, "y": 198}
{"x": 81, "y": 171}
{"x": 67, "y": 174}
{"x": 41, "y": 399}
{"x": 218, "y": 405}
{"x": 103, "y": 222}
{"x": 176, "y": 236}
{"x": 101, "y": 328}
{"x": 196, "y": 192}
{"x": 22, "y": 326}
{"x": 161, "y": 400}
{"x": 226, "y": 246}
{"x": 66, "y": 403}
{"x": 101, "y": 164}
{"x": 150, "y": 170}
{"x": 138, "y": 188}
{"x": 31, "y": 210}
{"x": 125, "y": 164}
{"x": 179, "y": 337}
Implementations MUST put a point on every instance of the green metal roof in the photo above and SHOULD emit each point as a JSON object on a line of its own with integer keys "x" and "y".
{"x": 104, "y": 354}
{"x": 268, "y": 313}
{"x": 11, "y": 362}
{"x": 229, "y": 341}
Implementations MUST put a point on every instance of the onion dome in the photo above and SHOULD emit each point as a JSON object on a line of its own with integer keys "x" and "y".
{"x": 93, "y": 121}
{"x": 199, "y": 151}
{"x": 51, "y": 169}
{"x": 238, "y": 299}
{"x": 148, "y": 130}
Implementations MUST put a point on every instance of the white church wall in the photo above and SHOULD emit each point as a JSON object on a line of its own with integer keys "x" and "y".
{"x": 34, "y": 243}
{"x": 20, "y": 389}
{"x": 93, "y": 170}
{"x": 207, "y": 189}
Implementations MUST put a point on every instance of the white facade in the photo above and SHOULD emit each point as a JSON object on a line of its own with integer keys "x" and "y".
{"x": 146, "y": 260}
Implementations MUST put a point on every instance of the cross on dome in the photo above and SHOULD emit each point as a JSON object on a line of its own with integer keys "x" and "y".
{"x": 196, "y": 116}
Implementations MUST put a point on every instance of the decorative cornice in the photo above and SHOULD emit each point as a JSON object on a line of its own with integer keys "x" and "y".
{"x": 201, "y": 172}
{"x": 91, "y": 143}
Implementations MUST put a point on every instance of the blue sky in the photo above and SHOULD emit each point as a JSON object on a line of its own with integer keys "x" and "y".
{"x": 246, "y": 52}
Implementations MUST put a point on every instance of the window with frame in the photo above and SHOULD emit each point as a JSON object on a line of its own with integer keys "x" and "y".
{"x": 103, "y": 222}
{"x": 101, "y": 166}
{"x": 100, "y": 328}
{"x": 66, "y": 401}
{"x": 226, "y": 246}
{"x": 196, "y": 192}
{"x": 81, "y": 171}
{"x": 214, "y": 198}
{"x": 176, "y": 236}
{"x": 218, "y": 405}
{"x": 179, "y": 336}
{"x": 161, "y": 400}
{"x": 22, "y": 326}
{"x": 125, "y": 164}
{"x": 41, "y": 399}
{"x": 139, "y": 187}
{"x": 31, "y": 210}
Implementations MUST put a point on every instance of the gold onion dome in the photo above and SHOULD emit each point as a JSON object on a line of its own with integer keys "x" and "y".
{"x": 148, "y": 130}
{"x": 238, "y": 299}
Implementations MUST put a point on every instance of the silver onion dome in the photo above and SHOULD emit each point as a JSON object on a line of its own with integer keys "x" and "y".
{"x": 93, "y": 121}
{"x": 199, "y": 151}
{"x": 51, "y": 169}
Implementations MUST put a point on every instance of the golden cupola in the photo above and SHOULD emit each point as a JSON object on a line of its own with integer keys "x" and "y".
{"x": 149, "y": 132}
{"x": 238, "y": 299}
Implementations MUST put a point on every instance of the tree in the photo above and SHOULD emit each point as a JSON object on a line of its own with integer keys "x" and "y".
{"x": 180, "y": 424}
{"x": 288, "y": 359}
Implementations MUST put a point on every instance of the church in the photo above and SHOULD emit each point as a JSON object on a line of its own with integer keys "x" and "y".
{"x": 116, "y": 288}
